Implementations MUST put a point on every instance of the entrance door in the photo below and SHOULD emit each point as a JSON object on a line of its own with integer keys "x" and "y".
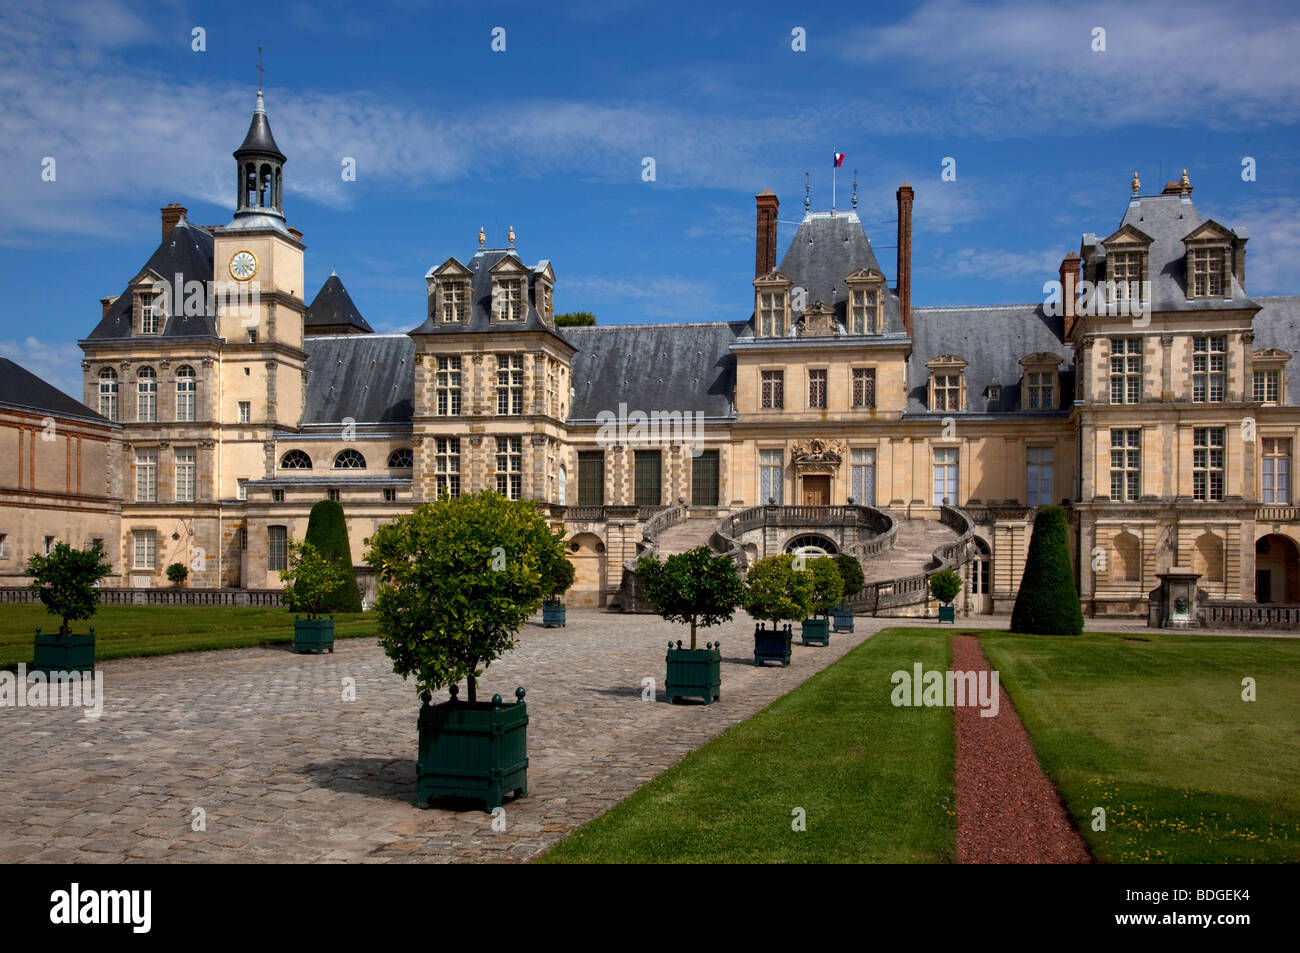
{"x": 980, "y": 578}
{"x": 1263, "y": 589}
{"x": 817, "y": 491}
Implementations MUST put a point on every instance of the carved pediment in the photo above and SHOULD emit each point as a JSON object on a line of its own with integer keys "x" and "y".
{"x": 817, "y": 454}
{"x": 945, "y": 360}
{"x": 1209, "y": 231}
{"x": 772, "y": 278}
{"x": 451, "y": 268}
{"x": 1040, "y": 358}
{"x": 1128, "y": 235}
{"x": 818, "y": 320}
{"x": 508, "y": 265}
{"x": 865, "y": 275}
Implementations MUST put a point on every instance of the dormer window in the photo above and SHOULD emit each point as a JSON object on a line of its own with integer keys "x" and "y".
{"x": 507, "y": 299}
{"x": 1208, "y": 269}
{"x": 1268, "y": 384}
{"x": 454, "y": 295}
{"x": 1214, "y": 253}
{"x": 772, "y": 305}
{"x": 151, "y": 308}
{"x": 947, "y": 383}
{"x": 864, "y": 301}
{"x": 1040, "y": 381}
{"x": 772, "y": 315}
{"x": 1127, "y": 269}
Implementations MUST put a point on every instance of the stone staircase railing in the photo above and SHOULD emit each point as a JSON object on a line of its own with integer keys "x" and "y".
{"x": 656, "y": 521}
{"x": 163, "y": 596}
{"x": 914, "y": 589}
{"x": 1220, "y": 614}
{"x": 726, "y": 538}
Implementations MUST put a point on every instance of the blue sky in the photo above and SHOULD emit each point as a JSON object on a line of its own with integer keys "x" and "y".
{"x": 549, "y": 137}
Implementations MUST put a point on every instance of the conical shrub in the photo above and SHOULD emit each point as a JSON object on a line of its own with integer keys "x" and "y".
{"x": 1048, "y": 600}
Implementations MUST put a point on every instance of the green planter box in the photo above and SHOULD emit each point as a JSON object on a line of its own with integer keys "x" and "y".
{"x": 694, "y": 673}
{"x": 553, "y": 614}
{"x": 948, "y": 614}
{"x": 477, "y": 751}
{"x": 772, "y": 645}
{"x": 816, "y": 631}
{"x": 313, "y": 635}
{"x": 71, "y": 653}
{"x": 843, "y": 619}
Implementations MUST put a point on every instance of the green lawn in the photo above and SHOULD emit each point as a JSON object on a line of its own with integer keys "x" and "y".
{"x": 127, "y": 631}
{"x": 875, "y": 780}
{"x": 1156, "y": 732}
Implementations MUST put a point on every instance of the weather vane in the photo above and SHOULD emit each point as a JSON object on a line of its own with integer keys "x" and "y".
{"x": 807, "y": 189}
{"x": 855, "y": 188}
{"x": 259, "y": 68}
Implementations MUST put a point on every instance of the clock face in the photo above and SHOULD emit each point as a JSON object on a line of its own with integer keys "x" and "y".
{"x": 243, "y": 265}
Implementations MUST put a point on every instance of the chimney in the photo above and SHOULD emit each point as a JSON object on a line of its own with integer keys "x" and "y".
{"x": 903, "y": 276}
{"x": 105, "y": 304}
{"x": 766, "y": 205}
{"x": 297, "y": 235}
{"x": 171, "y": 214}
{"x": 1069, "y": 293}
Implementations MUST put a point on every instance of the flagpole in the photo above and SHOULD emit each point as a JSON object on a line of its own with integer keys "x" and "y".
{"x": 834, "y": 169}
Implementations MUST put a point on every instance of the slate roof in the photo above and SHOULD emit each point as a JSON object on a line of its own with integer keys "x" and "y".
{"x": 649, "y": 367}
{"x": 259, "y": 140}
{"x": 186, "y": 250}
{"x": 20, "y": 389}
{"x": 368, "y": 377}
{"x": 332, "y": 307}
{"x": 480, "y": 314}
{"x": 992, "y": 341}
{"x": 827, "y": 248}
{"x": 1277, "y": 324}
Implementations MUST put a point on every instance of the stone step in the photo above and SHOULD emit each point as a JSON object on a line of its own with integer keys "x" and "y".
{"x": 912, "y": 552}
{"x": 685, "y": 536}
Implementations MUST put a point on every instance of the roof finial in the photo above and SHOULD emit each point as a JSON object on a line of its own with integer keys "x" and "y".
{"x": 259, "y": 69}
{"x": 1184, "y": 183}
{"x": 512, "y": 236}
{"x": 482, "y": 238}
{"x": 855, "y": 188}
{"x": 807, "y": 190}
{"x": 333, "y": 273}
{"x": 1136, "y": 184}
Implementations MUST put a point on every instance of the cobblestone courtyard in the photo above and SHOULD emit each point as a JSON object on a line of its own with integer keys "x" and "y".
{"x": 284, "y": 769}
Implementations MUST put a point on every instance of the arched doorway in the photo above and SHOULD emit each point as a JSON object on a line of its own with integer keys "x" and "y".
{"x": 1277, "y": 570}
{"x": 981, "y": 571}
{"x": 587, "y": 553}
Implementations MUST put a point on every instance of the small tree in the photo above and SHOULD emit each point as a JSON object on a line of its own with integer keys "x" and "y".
{"x": 775, "y": 591}
{"x": 1048, "y": 601}
{"x": 557, "y": 581}
{"x": 696, "y": 588}
{"x": 312, "y": 580}
{"x": 177, "y": 573}
{"x": 827, "y": 585}
{"x": 575, "y": 319}
{"x": 65, "y": 581}
{"x": 851, "y": 572}
{"x": 944, "y": 585}
{"x": 457, "y": 578}
{"x": 327, "y": 531}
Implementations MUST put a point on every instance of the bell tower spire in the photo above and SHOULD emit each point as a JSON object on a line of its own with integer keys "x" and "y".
{"x": 260, "y": 166}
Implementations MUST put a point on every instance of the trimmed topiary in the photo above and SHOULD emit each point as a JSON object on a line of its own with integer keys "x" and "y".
{"x": 944, "y": 586}
{"x": 327, "y": 533}
{"x": 827, "y": 585}
{"x": 1048, "y": 600}
{"x": 851, "y": 572}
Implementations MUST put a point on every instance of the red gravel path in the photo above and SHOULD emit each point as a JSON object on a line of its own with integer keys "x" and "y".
{"x": 1008, "y": 812}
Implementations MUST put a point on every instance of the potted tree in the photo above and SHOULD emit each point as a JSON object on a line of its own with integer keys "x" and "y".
{"x": 456, "y": 580}
{"x": 177, "y": 573}
{"x": 827, "y": 592}
{"x": 695, "y": 588}
{"x": 776, "y": 592}
{"x": 851, "y": 572}
{"x": 555, "y": 585}
{"x": 67, "y": 582}
{"x": 312, "y": 580}
{"x": 944, "y": 586}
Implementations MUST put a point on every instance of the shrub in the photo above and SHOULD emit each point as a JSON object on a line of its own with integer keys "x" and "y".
{"x": 851, "y": 572}
{"x": 558, "y": 579}
{"x": 327, "y": 532}
{"x": 827, "y": 585}
{"x": 313, "y": 579}
{"x": 775, "y": 591}
{"x": 694, "y": 588}
{"x": 457, "y": 578}
{"x": 944, "y": 585}
{"x": 65, "y": 581}
{"x": 1048, "y": 600}
{"x": 177, "y": 573}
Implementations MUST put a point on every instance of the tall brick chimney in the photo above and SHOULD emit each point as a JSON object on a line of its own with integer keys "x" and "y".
{"x": 171, "y": 214}
{"x": 766, "y": 206}
{"x": 1069, "y": 274}
{"x": 904, "y": 274}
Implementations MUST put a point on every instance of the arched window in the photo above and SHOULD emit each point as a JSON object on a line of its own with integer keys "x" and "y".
{"x": 1128, "y": 558}
{"x": 399, "y": 459}
{"x": 186, "y": 388}
{"x": 1207, "y": 558}
{"x": 295, "y": 460}
{"x": 108, "y": 393}
{"x": 811, "y": 544}
{"x": 349, "y": 460}
{"x": 146, "y": 405}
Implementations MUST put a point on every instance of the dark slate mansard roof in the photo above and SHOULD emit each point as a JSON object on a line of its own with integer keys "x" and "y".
{"x": 1277, "y": 325}
{"x": 368, "y": 377}
{"x": 480, "y": 312}
{"x": 332, "y": 307}
{"x": 22, "y": 390}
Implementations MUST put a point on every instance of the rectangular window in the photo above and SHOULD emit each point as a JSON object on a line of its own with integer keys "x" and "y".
{"x": 277, "y": 548}
{"x": 108, "y": 395}
{"x": 146, "y": 403}
{"x": 446, "y": 466}
{"x": 4, "y": 551}
{"x": 252, "y": 335}
{"x": 1208, "y": 358}
{"x": 1267, "y": 387}
{"x": 1126, "y": 272}
{"x": 150, "y": 315}
{"x": 1040, "y": 476}
{"x": 704, "y": 479}
{"x": 49, "y": 545}
{"x": 185, "y": 394}
{"x": 648, "y": 478}
{"x": 945, "y": 476}
{"x": 947, "y": 392}
{"x": 146, "y": 476}
{"x": 817, "y": 388}
{"x": 1125, "y": 370}
{"x": 771, "y": 315}
{"x": 771, "y": 477}
{"x": 447, "y": 386}
{"x": 1277, "y": 471}
{"x": 1207, "y": 272}
{"x": 1125, "y": 465}
{"x": 864, "y": 387}
{"x": 185, "y": 475}
{"x": 864, "y": 315}
{"x": 145, "y": 546}
{"x": 510, "y": 297}
{"x": 773, "y": 390}
{"x": 245, "y": 412}
{"x": 390, "y": 495}
{"x": 591, "y": 478}
{"x": 1207, "y": 463}
{"x": 333, "y": 494}
{"x": 1040, "y": 390}
{"x": 863, "y": 477}
{"x": 510, "y": 384}
{"x": 510, "y": 467}
{"x": 241, "y": 489}
{"x": 277, "y": 496}
{"x": 453, "y": 302}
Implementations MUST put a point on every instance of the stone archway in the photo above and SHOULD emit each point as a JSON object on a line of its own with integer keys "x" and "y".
{"x": 812, "y": 544}
{"x": 1277, "y": 570}
{"x": 587, "y": 553}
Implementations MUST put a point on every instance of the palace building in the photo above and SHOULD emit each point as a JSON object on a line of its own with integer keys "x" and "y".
{"x": 826, "y": 414}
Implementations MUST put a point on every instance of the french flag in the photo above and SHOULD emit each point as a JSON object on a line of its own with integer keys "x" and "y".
{"x": 839, "y": 159}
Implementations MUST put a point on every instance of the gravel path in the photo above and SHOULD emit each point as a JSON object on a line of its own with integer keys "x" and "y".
{"x": 1008, "y": 812}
